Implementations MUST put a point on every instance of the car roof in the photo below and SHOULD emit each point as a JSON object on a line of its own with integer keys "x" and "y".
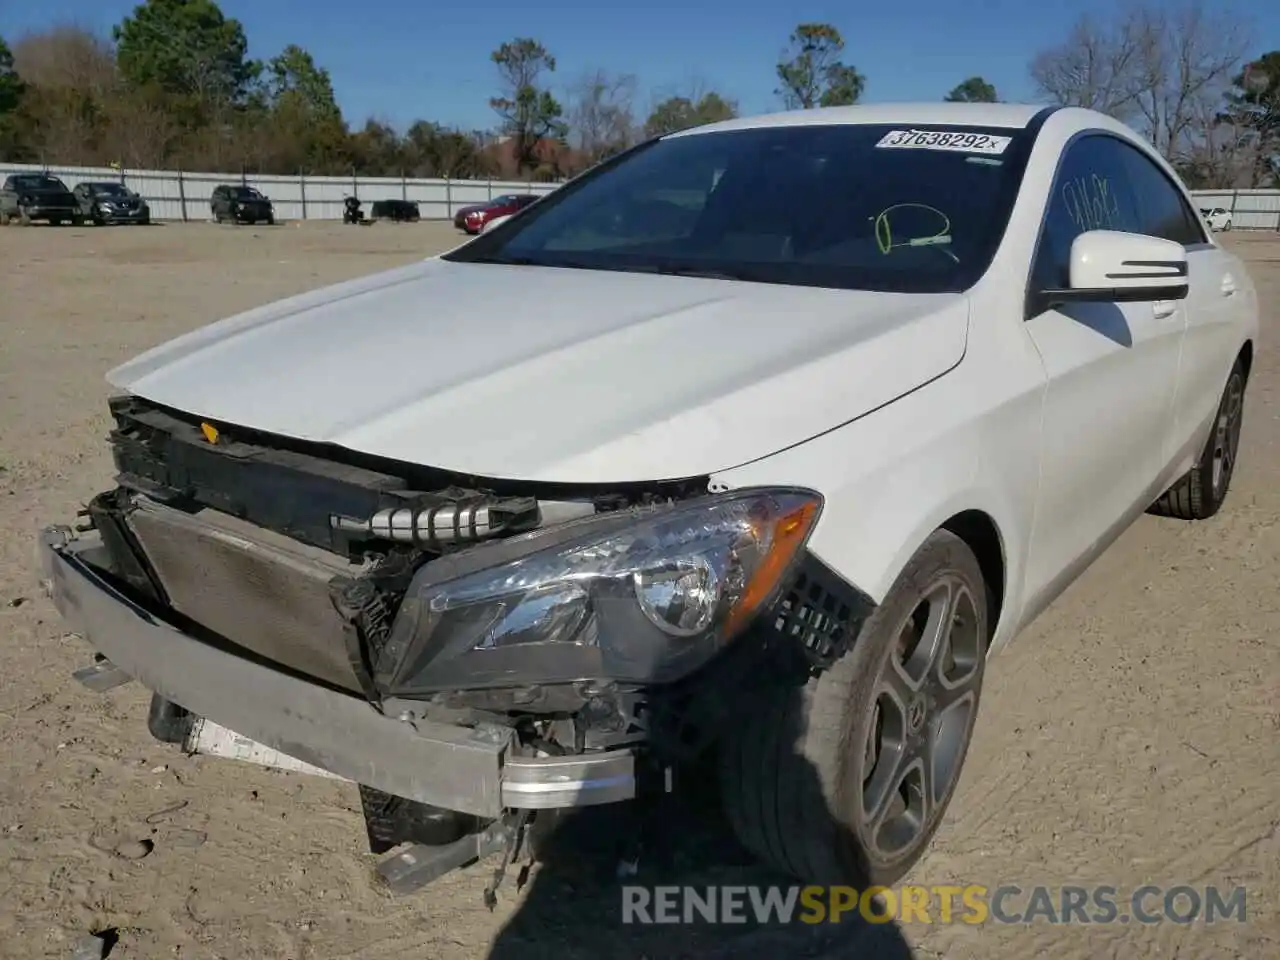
{"x": 1009, "y": 115}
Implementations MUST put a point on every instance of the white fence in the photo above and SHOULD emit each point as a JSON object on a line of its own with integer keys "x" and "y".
{"x": 177, "y": 195}
{"x": 1250, "y": 209}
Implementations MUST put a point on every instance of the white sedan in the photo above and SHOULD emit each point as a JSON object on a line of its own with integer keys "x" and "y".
{"x": 740, "y": 453}
{"x": 1218, "y": 218}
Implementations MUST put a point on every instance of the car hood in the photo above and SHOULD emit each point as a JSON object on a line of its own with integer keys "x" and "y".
{"x": 551, "y": 374}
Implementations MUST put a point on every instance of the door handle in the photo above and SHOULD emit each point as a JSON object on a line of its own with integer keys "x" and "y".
{"x": 1228, "y": 285}
{"x": 1164, "y": 308}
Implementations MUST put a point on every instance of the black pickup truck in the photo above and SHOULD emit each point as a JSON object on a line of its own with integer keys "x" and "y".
{"x": 27, "y": 197}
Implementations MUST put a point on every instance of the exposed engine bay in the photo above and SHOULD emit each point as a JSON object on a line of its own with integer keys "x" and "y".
{"x": 323, "y": 563}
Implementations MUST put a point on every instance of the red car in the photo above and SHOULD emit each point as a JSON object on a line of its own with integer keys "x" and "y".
{"x": 473, "y": 219}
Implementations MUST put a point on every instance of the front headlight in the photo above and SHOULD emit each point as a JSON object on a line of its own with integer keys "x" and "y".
{"x": 642, "y": 596}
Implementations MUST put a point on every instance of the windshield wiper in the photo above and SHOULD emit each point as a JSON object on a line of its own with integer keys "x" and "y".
{"x": 677, "y": 270}
{"x": 508, "y": 261}
{"x": 665, "y": 269}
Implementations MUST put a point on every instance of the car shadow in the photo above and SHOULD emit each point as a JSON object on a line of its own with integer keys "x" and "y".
{"x": 574, "y": 904}
{"x": 1106, "y": 319}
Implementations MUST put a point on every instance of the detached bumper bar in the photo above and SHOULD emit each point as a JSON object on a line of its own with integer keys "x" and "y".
{"x": 452, "y": 767}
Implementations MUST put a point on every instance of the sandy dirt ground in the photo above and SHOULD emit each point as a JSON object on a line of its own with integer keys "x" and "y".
{"x": 1131, "y": 736}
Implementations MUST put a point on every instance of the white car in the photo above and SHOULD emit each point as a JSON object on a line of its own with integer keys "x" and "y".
{"x": 740, "y": 453}
{"x": 1218, "y": 218}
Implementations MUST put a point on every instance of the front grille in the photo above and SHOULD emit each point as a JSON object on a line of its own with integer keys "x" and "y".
{"x": 259, "y": 590}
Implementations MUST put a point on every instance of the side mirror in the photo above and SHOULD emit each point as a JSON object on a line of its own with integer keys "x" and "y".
{"x": 1108, "y": 266}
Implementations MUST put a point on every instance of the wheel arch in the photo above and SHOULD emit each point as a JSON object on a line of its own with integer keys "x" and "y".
{"x": 980, "y": 533}
{"x": 1245, "y": 356}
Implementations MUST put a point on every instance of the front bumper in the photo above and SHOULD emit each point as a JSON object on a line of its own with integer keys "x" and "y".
{"x": 38, "y": 211}
{"x": 468, "y": 770}
{"x": 126, "y": 216}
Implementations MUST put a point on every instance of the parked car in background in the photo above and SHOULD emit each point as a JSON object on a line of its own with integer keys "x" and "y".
{"x": 1218, "y": 218}
{"x": 28, "y": 197}
{"x": 401, "y": 211}
{"x": 504, "y": 206}
{"x": 460, "y": 217}
{"x": 758, "y": 494}
{"x": 110, "y": 202}
{"x": 241, "y": 204}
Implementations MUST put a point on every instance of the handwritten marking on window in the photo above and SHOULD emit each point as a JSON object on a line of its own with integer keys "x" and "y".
{"x": 1091, "y": 204}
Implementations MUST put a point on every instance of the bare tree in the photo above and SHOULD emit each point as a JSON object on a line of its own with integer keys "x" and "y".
{"x": 1093, "y": 68}
{"x": 66, "y": 56}
{"x": 71, "y": 75}
{"x": 602, "y": 114}
{"x": 1225, "y": 151}
{"x": 1159, "y": 68}
{"x": 1187, "y": 57}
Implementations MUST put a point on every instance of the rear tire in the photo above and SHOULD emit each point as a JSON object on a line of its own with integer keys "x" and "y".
{"x": 1201, "y": 491}
{"x": 828, "y": 782}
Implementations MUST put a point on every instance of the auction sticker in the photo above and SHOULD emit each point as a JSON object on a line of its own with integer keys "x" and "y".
{"x": 956, "y": 140}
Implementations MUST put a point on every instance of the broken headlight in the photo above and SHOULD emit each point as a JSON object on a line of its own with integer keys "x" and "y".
{"x": 642, "y": 597}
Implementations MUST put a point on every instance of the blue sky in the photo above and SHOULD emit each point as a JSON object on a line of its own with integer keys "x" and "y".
{"x": 400, "y": 60}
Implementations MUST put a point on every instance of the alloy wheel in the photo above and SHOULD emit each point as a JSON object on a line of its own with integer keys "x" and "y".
{"x": 1226, "y": 434}
{"x": 922, "y": 717}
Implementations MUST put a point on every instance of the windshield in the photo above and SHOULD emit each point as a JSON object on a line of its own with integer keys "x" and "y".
{"x": 38, "y": 182}
{"x": 845, "y": 206}
{"x": 110, "y": 190}
{"x": 248, "y": 193}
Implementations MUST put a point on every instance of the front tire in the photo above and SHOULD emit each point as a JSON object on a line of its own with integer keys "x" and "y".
{"x": 1201, "y": 491}
{"x": 846, "y": 779}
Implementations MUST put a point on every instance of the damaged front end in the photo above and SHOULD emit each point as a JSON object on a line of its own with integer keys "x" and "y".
{"x": 467, "y": 650}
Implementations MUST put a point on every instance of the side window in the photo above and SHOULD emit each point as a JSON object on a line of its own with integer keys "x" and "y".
{"x": 1090, "y": 192}
{"x": 1163, "y": 211}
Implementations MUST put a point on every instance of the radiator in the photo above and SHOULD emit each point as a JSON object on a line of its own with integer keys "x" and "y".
{"x": 257, "y": 589}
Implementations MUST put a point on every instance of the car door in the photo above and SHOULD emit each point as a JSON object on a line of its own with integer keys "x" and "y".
{"x": 1111, "y": 375}
{"x": 1210, "y": 344}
